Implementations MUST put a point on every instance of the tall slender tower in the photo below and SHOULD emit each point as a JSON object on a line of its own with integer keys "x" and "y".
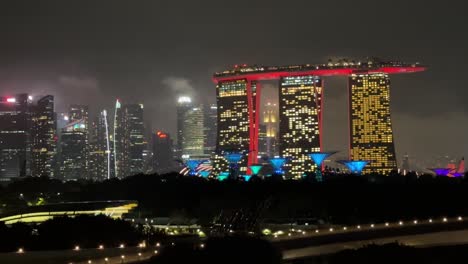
{"x": 237, "y": 128}
{"x": 129, "y": 142}
{"x": 15, "y": 136}
{"x": 300, "y": 122}
{"x": 371, "y": 136}
{"x": 44, "y": 147}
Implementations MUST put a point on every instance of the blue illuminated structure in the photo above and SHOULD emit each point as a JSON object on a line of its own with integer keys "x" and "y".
{"x": 441, "y": 171}
{"x": 204, "y": 174}
{"x": 277, "y": 164}
{"x": 247, "y": 177}
{"x": 223, "y": 176}
{"x": 318, "y": 158}
{"x": 355, "y": 166}
{"x": 192, "y": 165}
{"x": 233, "y": 159}
{"x": 255, "y": 168}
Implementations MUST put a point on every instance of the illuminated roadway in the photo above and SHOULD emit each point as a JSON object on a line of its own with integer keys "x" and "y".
{"x": 427, "y": 233}
{"x": 295, "y": 245}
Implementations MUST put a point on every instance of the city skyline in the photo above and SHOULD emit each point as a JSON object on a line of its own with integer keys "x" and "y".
{"x": 148, "y": 62}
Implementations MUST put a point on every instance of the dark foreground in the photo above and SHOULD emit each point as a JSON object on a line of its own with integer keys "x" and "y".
{"x": 392, "y": 254}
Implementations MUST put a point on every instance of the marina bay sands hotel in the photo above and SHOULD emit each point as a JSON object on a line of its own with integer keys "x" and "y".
{"x": 300, "y": 112}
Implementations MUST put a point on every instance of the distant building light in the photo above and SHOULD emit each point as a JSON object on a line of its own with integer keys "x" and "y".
{"x": 30, "y": 98}
{"x": 184, "y": 99}
{"x": 11, "y": 100}
{"x": 66, "y": 118}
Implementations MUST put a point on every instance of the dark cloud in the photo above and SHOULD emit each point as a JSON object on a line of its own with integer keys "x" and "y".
{"x": 137, "y": 51}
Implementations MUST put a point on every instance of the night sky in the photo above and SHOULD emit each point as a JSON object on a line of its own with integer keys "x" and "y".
{"x": 92, "y": 52}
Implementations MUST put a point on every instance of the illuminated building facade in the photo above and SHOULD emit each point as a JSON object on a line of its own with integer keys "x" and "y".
{"x": 136, "y": 140}
{"x": 15, "y": 136}
{"x": 237, "y": 123}
{"x": 100, "y": 157}
{"x": 371, "y": 136}
{"x": 184, "y": 104}
{"x": 163, "y": 155}
{"x": 301, "y": 87}
{"x": 44, "y": 138}
{"x": 74, "y": 151}
{"x": 193, "y": 133}
{"x": 211, "y": 123}
{"x": 300, "y": 116}
{"x": 129, "y": 143}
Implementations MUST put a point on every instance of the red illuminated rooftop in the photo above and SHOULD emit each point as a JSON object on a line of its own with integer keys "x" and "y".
{"x": 340, "y": 68}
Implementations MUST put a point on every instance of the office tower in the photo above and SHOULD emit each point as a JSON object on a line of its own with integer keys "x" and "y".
{"x": 74, "y": 151}
{"x": 163, "y": 156}
{"x": 74, "y": 144}
{"x": 211, "y": 122}
{"x": 371, "y": 136}
{"x": 136, "y": 141}
{"x": 129, "y": 142}
{"x": 44, "y": 138}
{"x": 237, "y": 122}
{"x": 193, "y": 135}
{"x": 184, "y": 104}
{"x": 300, "y": 103}
{"x": 15, "y": 136}
{"x": 100, "y": 161}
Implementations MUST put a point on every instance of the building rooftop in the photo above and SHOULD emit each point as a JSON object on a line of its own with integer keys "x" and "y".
{"x": 341, "y": 67}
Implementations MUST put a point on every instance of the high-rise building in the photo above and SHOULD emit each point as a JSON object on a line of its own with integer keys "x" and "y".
{"x": 163, "y": 155}
{"x": 238, "y": 93}
{"x": 193, "y": 135}
{"x": 129, "y": 142}
{"x": 74, "y": 151}
{"x": 370, "y": 122}
{"x": 300, "y": 122}
{"x": 136, "y": 138}
{"x": 236, "y": 101}
{"x": 184, "y": 104}
{"x": 211, "y": 123}
{"x": 15, "y": 136}
{"x": 44, "y": 138}
{"x": 100, "y": 156}
{"x": 74, "y": 144}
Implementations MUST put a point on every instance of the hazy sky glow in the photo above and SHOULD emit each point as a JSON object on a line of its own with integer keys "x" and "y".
{"x": 149, "y": 51}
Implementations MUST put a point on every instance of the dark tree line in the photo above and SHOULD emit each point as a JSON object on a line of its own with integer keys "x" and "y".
{"x": 66, "y": 233}
{"x": 340, "y": 199}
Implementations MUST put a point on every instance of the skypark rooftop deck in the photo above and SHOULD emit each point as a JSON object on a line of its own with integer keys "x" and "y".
{"x": 254, "y": 72}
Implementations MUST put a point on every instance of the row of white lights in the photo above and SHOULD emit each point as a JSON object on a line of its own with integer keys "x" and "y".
{"x": 387, "y": 224}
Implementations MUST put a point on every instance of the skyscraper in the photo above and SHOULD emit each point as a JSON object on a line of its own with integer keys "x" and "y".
{"x": 370, "y": 122}
{"x": 211, "y": 123}
{"x": 193, "y": 135}
{"x": 184, "y": 104}
{"x": 300, "y": 122}
{"x": 136, "y": 140}
{"x": 163, "y": 156}
{"x": 44, "y": 138}
{"x": 129, "y": 143}
{"x": 100, "y": 160}
{"x": 236, "y": 124}
{"x": 15, "y": 136}
{"x": 74, "y": 151}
